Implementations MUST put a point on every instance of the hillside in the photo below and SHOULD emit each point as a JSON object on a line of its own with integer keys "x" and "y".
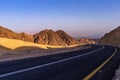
{"x": 67, "y": 38}
{"x": 44, "y": 37}
{"x": 111, "y": 38}
{"x": 15, "y": 44}
{"x": 6, "y": 33}
{"x": 49, "y": 37}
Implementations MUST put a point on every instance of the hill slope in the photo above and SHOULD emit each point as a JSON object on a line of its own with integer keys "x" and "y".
{"x": 45, "y": 37}
{"x": 6, "y": 33}
{"x": 66, "y": 38}
{"x": 112, "y": 38}
{"x": 49, "y": 37}
{"x": 16, "y": 44}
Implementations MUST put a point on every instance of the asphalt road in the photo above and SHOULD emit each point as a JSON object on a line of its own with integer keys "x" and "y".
{"x": 76, "y": 65}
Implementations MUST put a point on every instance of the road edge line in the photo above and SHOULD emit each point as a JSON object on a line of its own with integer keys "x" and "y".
{"x": 89, "y": 76}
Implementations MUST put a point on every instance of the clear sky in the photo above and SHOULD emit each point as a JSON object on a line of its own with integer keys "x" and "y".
{"x": 74, "y": 16}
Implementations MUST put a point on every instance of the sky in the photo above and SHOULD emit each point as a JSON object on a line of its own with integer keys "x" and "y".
{"x": 77, "y": 17}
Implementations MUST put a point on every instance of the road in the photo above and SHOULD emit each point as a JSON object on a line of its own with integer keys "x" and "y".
{"x": 76, "y": 65}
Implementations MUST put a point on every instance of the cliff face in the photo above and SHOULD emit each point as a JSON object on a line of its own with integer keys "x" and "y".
{"x": 66, "y": 38}
{"x": 49, "y": 37}
{"x": 6, "y": 33}
{"x": 112, "y": 38}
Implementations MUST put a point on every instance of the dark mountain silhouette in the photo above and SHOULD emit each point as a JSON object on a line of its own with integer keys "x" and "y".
{"x": 66, "y": 38}
{"x": 6, "y": 33}
{"x": 112, "y": 38}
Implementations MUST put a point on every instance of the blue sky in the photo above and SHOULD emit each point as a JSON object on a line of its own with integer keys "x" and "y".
{"x": 74, "y": 16}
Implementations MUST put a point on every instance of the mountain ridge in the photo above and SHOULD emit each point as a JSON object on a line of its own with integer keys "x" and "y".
{"x": 46, "y": 37}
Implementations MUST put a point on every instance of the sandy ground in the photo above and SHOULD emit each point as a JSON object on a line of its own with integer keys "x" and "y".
{"x": 14, "y": 44}
{"x": 8, "y": 55}
{"x": 12, "y": 49}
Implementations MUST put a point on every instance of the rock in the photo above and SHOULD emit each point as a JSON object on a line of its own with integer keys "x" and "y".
{"x": 49, "y": 37}
{"x": 66, "y": 38}
{"x": 6, "y": 33}
{"x": 26, "y": 37}
{"x": 112, "y": 38}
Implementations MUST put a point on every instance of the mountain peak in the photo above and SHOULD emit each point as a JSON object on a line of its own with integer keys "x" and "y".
{"x": 67, "y": 38}
{"x": 49, "y": 37}
{"x": 47, "y": 30}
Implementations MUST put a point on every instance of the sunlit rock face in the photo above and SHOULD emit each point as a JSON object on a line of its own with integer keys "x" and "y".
{"x": 112, "y": 38}
{"x": 4, "y": 32}
{"x": 49, "y": 37}
{"x": 67, "y": 38}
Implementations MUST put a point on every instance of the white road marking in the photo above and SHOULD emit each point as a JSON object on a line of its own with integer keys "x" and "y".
{"x": 47, "y": 64}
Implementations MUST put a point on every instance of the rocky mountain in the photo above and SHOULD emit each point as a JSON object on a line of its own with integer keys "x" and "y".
{"x": 112, "y": 38}
{"x": 46, "y": 37}
{"x": 49, "y": 37}
{"x": 66, "y": 38}
{"x": 26, "y": 37}
{"x": 6, "y": 33}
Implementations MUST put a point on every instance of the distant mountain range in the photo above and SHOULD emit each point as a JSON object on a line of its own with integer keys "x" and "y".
{"x": 46, "y": 37}
{"x": 112, "y": 38}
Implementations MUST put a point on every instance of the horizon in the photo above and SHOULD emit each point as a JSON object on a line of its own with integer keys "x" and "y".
{"x": 76, "y": 17}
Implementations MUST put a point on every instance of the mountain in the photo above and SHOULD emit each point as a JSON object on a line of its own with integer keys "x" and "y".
{"x": 6, "y": 33}
{"x": 49, "y": 37}
{"x": 26, "y": 37}
{"x": 46, "y": 37}
{"x": 111, "y": 38}
{"x": 66, "y": 38}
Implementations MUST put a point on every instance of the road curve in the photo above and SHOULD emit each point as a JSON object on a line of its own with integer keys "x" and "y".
{"x": 76, "y": 65}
